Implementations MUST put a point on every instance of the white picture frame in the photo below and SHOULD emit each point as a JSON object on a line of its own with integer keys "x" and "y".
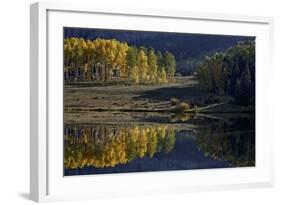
{"x": 46, "y": 179}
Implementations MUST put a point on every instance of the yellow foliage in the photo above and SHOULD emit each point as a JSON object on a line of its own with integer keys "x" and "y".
{"x": 110, "y": 56}
{"x": 115, "y": 145}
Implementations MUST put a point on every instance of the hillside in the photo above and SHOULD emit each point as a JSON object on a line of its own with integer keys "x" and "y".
{"x": 188, "y": 49}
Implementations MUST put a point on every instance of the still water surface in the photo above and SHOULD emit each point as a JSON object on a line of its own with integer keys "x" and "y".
{"x": 183, "y": 143}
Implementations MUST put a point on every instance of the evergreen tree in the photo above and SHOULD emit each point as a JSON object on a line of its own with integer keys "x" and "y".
{"x": 169, "y": 62}
{"x": 245, "y": 89}
{"x": 237, "y": 90}
{"x": 231, "y": 73}
{"x": 131, "y": 59}
{"x": 152, "y": 64}
{"x": 159, "y": 59}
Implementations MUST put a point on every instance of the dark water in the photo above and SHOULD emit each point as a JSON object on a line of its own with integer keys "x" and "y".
{"x": 192, "y": 142}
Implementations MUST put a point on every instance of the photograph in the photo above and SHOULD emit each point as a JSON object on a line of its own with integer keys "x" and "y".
{"x": 151, "y": 101}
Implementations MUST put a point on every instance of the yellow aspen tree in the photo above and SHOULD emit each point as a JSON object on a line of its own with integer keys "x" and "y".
{"x": 142, "y": 65}
{"x": 152, "y": 65}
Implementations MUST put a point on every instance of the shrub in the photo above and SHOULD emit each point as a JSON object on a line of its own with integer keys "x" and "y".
{"x": 182, "y": 107}
{"x": 174, "y": 101}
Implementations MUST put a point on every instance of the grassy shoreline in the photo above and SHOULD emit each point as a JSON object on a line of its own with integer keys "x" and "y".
{"x": 148, "y": 98}
{"x": 171, "y": 110}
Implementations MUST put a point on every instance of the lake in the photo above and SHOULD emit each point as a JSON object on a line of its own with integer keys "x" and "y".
{"x": 114, "y": 142}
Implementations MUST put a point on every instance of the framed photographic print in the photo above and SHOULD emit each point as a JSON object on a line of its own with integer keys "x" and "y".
{"x": 127, "y": 102}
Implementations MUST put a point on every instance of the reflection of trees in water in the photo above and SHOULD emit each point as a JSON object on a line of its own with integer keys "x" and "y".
{"x": 108, "y": 146}
{"x": 224, "y": 142}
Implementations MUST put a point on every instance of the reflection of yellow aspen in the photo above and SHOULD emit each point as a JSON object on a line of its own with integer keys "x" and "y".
{"x": 142, "y": 148}
{"x": 106, "y": 146}
{"x": 162, "y": 131}
{"x": 134, "y": 132}
{"x": 152, "y": 142}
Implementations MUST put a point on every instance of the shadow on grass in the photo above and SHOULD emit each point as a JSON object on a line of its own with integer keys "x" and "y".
{"x": 182, "y": 93}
